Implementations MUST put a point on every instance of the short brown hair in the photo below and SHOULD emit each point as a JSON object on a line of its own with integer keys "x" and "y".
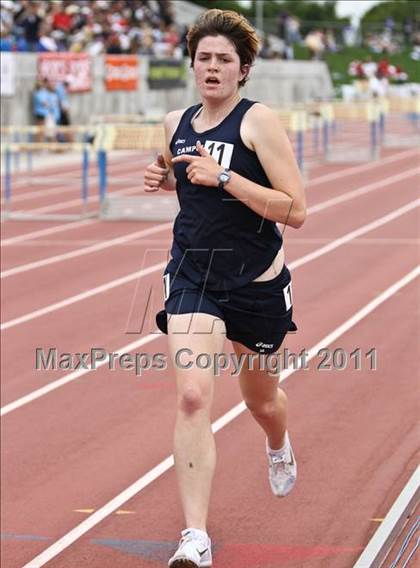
{"x": 232, "y": 26}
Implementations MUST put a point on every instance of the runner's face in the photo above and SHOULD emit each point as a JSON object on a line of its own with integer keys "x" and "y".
{"x": 217, "y": 67}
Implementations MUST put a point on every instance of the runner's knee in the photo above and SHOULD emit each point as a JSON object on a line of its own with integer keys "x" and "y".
{"x": 192, "y": 399}
{"x": 262, "y": 408}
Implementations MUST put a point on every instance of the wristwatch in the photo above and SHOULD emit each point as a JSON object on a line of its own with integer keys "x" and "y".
{"x": 223, "y": 178}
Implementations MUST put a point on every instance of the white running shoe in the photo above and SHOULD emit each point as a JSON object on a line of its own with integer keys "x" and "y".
{"x": 194, "y": 551}
{"x": 282, "y": 470}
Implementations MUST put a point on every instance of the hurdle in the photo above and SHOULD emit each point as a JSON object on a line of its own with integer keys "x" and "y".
{"x": 8, "y": 150}
{"x": 120, "y": 119}
{"x": 321, "y": 121}
{"x": 295, "y": 121}
{"x": 32, "y": 134}
{"x": 369, "y": 114}
{"x": 408, "y": 132}
{"x": 137, "y": 137}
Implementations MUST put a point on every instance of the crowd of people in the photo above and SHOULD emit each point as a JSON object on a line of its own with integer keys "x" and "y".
{"x": 92, "y": 26}
{"x": 145, "y": 27}
{"x": 375, "y": 76}
{"x": 381, "y": 69}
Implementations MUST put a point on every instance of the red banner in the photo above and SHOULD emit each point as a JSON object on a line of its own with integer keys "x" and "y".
{"x": 76, "y": 68}
{"x": 121, "y": 72}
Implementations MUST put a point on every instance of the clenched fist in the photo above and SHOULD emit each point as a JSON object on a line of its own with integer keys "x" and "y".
{"x": 156, "y": 174}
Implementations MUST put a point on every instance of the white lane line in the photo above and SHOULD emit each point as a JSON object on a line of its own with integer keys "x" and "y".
{"x": 77, "y": 202}
{"x": 82, "y": 296}
{"x": 379, "y": 545}
{"x": 363, "y": 190}
{"x": 364, "y": 167}
{"x": 74, "y": 375}
{"x": 166, "y": 241}
{"x": 47, "y": 231}
{"x": 134, "y": 275}
{"x": 85, "y": 250}
{"x": 120, "y": 240}
{"x": 46, "y": 192}
{"x": 293, "y": 265}
{"x": 367, "y": 241}
{"x": 357, "y": 233}
{"x": 128, "y": 493}
{"x": 343, "y": 172}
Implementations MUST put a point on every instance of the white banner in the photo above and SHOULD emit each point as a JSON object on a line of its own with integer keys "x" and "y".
{"x": 7, "y": 75}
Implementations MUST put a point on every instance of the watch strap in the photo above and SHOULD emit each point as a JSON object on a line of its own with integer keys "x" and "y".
{"x": 226, "y": 171}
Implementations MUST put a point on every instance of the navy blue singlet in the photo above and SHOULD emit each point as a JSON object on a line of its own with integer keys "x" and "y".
{"x": 219, "y": 242}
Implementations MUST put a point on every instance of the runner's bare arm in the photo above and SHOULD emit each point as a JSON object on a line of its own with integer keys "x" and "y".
{"x": 170, "y": 123}
{"x": 285, "y": 203}
{"x": 159, "y": 174}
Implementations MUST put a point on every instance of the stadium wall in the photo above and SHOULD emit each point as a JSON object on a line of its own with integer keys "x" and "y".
{"x": 274, "y": 82}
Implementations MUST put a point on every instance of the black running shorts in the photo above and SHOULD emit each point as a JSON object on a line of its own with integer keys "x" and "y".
{"x": 257, "y": 315}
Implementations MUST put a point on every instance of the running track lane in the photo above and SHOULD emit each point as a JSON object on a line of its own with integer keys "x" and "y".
{"x": 319, "y": 173}
{"x": 302, "y": 269}
{"x": 353, "y": 461}
{"x": 338, "y": 414}
{"x": 55, "y": 328}
{"x": 331, "y": 188}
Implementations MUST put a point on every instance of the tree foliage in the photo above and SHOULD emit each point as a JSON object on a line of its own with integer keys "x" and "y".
{"x": 304, "y": 10}
{"x": 398, "y": 10}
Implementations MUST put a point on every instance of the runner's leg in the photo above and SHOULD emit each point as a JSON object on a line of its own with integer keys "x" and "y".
{"x": 194, "y": 447}
{"x": 263, "y": 397}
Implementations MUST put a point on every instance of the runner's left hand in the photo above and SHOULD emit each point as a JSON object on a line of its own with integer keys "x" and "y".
{"x": 202, "y": 169}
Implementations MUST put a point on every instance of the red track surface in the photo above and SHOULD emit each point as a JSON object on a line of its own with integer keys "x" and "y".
{"x": 79, "y": 446}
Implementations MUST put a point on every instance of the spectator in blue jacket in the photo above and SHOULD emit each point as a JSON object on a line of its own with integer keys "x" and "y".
{"x": 46, "y": 108}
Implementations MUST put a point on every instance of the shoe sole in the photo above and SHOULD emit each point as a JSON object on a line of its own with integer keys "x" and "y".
{"x": 184, "y": 563}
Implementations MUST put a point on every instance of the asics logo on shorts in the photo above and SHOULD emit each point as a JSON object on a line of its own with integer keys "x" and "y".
{"x": 265, "y": 345}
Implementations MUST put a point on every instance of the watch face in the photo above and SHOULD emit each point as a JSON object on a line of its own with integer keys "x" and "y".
{"x": 224, "y": 177}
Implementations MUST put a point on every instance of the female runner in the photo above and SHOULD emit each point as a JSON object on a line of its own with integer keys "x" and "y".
{"x": 233, "y": 168}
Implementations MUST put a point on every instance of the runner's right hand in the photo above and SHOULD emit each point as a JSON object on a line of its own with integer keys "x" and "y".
{"x": 156, "y": 174}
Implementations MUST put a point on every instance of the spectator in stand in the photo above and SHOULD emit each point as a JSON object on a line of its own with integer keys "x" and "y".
{"x": 383, "y": 68}
{"x": 6, "y": 17}
{"x": 62, "y": 17}
{"x": 53, "y": 111}
{"x": 46, "y": 42}
{"x": 408, "y": 30}
{"x": 267, "y": 51}
{"x": 390, "y": 24}
{"x": 349, "y": 36}
{"x": 30, "y": 21}
{"x": 114, "y": 45}
{"x": 292, "y": 25}
{"x": 355, "y": 68}
{"x": 369, "y": 67}
{"x": 62, "y": 91}
{"x": 415, "y": 53}
{"x": 6, "y": 39}
{"x": 288, "y": 51}
{"x": 315, "y": 42}
{"x": 281, "y": 23}
{"x": 40, "y": 106}
{"x": 330, "y": 43}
